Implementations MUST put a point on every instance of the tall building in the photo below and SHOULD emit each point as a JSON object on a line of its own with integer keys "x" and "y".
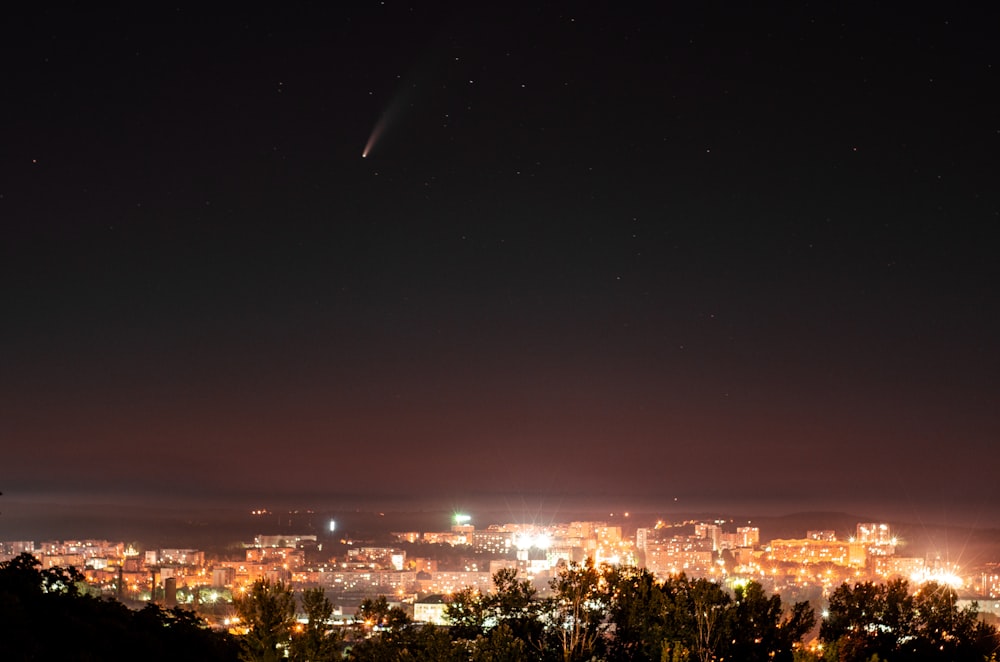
{"x": 642, "y": 536}
{"x": 748, "y": 536}
{"x": 711, "y": 532}
{"x": 874, "y": 533}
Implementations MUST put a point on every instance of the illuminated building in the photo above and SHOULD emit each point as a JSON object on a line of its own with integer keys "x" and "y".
{"x": 62, "y": 560}
{"x": 877, "y": 537}
{"x": 223, "y": 576}
{"x": 898, "y": 566}
{"x": 747, "y": 536}
{"x": 14, "y": 547}
{"x": 825, "y": 535}
{"x": 431, "y": 609}
{"x": 450, "y": 582}
{"x": 445, "y": 538}
{"x": 874, "y": 533}
{"x": 693, "y": 557}
{"x": 492, "y": 540}
{"x": 407, "y": 536}
{"x": 381, "y": 557}
{"x": 284, "y": 556}
{"x": 641, "y": 536}
{"x": 182, "y": 556}
{"x": 807, "y": 550}
{"x": 297, "y": 540}
{"x": 711, "y": 532}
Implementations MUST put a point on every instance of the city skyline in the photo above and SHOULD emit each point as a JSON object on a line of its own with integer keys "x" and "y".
{"x": 446, "y": 255}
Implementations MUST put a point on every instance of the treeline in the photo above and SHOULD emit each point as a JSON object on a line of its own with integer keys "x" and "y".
{"x": 590, "y": 613}
{"x": 50, "y": 615}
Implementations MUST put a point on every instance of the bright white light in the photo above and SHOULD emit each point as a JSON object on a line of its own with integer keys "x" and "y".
{"x": 945, "y": 577}
{"x": 462, "y": 519}
{"x": 333, "y": 526}
{"x": 527, "y": 541}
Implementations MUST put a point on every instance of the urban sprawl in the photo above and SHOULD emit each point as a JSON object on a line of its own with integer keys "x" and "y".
{"x": 419, "y": 570}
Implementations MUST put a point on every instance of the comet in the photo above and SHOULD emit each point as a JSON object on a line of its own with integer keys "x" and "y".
{"x": 403, "y": 99}
{"x": 377, "y": 132}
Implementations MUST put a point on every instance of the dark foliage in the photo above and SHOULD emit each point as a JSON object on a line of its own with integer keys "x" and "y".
{"x": 268, "y": 611}
{"x": 887, "y": 622}
{"x": 315, "y": 641}
{"x": 409, "y": 643}
{"x": 44, "y": 615}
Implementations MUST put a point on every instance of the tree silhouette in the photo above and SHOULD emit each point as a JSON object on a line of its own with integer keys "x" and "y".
{"x": 500, "y": 645}
{"x": 315, "y": 641}
{"x": 575, "y": 613}
{"x": 638, "y": 614}
{"x": 513, "y": 603}
{"x": 378, "y": 614}
{"x": 268, "y": 611}
{"x": 759, "y": 629}
{"x": 409, "y": 643}
{"x": 709, "y": 605}
{"x": 467, "y": 613}
{"x": 681, "y": 619}
{"x": 885, "y": 620}
{"x": 36, "y": 604}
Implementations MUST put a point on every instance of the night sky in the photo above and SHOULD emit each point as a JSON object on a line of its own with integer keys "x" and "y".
{"x": 735, "y": 257}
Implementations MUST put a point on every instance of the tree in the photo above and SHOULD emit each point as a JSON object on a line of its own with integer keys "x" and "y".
{"x": 868, "y": 619}
{"x": 500, "y": 645}
{"x": 408, "y": 643}
{"x": 377, "y": 614}
{"x": 885, "y": 620}
{"x": 680, "y": 619}
{"x": 709, "y": 604}
{"x": 637, "y": 613}
{"x": 514, "y": 604}
{"x": 268, "y": 611}
{"x": 575, "y": 613}
{"x": 467, "y": 613}
{"x": 32, "y": 600}
{"x": 314, "y": 641}
{"x": 941, "y": 629}
{"x": 759, "y": 630}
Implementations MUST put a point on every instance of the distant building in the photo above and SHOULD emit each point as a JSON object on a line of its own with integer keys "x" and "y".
{"x": 431, "y": 609}
{"x": 874, "y": 533}
{"x": 747, "y": 536}
{"x": 711, "y": 532}
{"x": 289, "y": 557}
{"x": 642, "y": 535}
{"x": 289, "y": 540}
{"x": 691, "y": 556}
{"x": 825, "y": 535}
{"x": 10, "y": 549}
{"x": 181, "y": 556}
{"x": 492, "y": 540}
{"x": 807, "y": 550}
{"x": 222, "y": 577}
{"x": 898, "y": 566}
{"x": 62, "y": 561}
{"x": 383, "y": 557}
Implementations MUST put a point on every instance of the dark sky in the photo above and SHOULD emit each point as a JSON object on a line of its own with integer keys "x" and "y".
{"x": 736, "y": 257}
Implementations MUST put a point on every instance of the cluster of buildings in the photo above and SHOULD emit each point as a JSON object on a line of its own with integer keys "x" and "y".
{"x": 419, "y": 568}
